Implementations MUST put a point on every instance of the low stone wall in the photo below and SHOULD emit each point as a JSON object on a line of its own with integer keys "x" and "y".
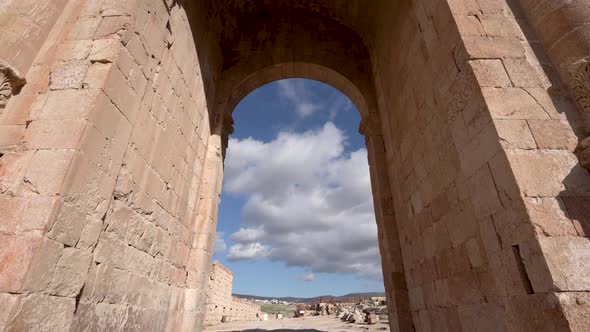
{"x": 243, "y": 310}
{"x": 221, "y": 303}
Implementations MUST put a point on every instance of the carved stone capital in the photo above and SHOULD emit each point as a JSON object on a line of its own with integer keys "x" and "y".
{"x": 11, "y": 83}
{"x": 580, "y": 83}
{"x": 584, "y": 153}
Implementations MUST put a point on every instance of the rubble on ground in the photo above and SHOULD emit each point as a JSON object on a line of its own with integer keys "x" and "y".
{"x": 359, "y": 313}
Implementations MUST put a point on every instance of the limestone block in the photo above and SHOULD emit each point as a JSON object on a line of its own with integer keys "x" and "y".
{"x": 490, "y": 73}
{"x": 523, "y": 74}
{"x": 125, "y": 63}
{"x": 493, "y": 48}
{"x": 85, "y": 27}
{"x": 12, "y": 170}
{"x": 549, "y": 215}
{"x": 9, "y": 303}
{"x": 68, "y": 75}
{"x": 513, "y": 103}
{"x": 568, "y": 259}
{"x": 137, "y": 51}
{"x": 121, "y": 94}
{"x": 505, "y": 27}
{"x": 111, "y": 317}
{"x": 70, "y": 272}
{"x": 469, "y": 25}
{"x": 484, "y": 194}
{"x": 54, "y": 134}
{"x": 111, "y": 250}
{"x": 89, "y": 187}
{"x": 515, "y": 134}
{"x": 137, "y": 80}
{"x": 68, "y": 225}
{"x": 475, "y": 253}
{"x": 43, "y": 265}
{"x": 90, "y": 233}
{"x": 479, "y": 150}
{"x": 482, "y": 317}
{"x": 105, "y": 50}
{"x": 489, "y": 236}
{"x": 555, "y": 172}
{"x": 16, "y": 251}
{"x": 553, "y": 134}
{"x": 97, "y": 75}
{"x": 462, "y": 226}
{"x": 112, "y": 25}
{"x": 464, "y": 289}
{"x": 48, "y": 170}
{"x": 75, "y": 50}
{"x": 65, "y": 104}
{"x": 576, "y": 306}
{"x": 43, "y": 313}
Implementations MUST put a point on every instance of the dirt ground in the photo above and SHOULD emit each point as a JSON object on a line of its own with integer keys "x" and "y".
{"x": 304, "y": 324}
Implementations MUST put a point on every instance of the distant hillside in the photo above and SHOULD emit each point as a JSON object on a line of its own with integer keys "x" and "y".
{"x": 310, "y": 299}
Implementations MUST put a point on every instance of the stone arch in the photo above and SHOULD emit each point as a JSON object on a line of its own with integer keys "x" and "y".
{"x": 318, "y": 46}
{"x": 299, "y": 45}
{"x": 299, "y": 70}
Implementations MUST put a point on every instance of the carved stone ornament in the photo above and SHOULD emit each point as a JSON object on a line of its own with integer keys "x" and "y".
{"x": 581, "y": 83}
{"x": 580, "y": 72}
{"x": 11, "y": 82}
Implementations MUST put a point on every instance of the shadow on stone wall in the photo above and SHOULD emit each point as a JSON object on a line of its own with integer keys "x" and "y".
{"x": 564, "y": 245}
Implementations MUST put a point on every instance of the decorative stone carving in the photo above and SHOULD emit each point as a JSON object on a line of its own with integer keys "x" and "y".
{"x": 580, "y": 71}
{"x": 581, "y": 83}
{"x": 11, "y": 83}
{"x": 584, "y": 153}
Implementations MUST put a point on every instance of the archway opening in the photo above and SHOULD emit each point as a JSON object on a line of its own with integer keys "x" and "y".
{"x": 296, "y": 217}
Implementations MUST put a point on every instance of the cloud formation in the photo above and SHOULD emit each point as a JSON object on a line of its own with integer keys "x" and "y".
{"x": 220, "y": 245}
{"x": 308, "y": 277}
{"x": 306, "y": 102}
{"x": 308, "y": 202}
{"x": 247, "y": 251}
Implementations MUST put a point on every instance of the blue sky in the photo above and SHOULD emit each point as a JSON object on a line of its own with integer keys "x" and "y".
{"x": 296, "y": 215}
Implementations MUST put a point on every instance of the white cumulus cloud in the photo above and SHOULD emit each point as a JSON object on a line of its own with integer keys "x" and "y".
{"x": 248, "y": 251}
{"x": 220, "y": 245}
{"x": 308, "y": 277}
{"x": 247, "y": 235}
{"x": 308, "y": 202}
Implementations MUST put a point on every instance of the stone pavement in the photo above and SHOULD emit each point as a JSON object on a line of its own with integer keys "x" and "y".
{"x": 305, "y": 324}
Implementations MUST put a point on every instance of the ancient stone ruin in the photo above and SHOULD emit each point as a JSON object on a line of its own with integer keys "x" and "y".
{"x": 220, "y": 305}
{"x": 115, "y": 115}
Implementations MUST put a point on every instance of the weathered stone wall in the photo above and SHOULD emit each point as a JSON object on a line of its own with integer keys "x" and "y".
{"x": 101, "y": 171}
{"x": 220, "y": 302}
{"x": 479, "y": 150}
{"x": 242, "y": 310}
{"x": 219, "y": 290}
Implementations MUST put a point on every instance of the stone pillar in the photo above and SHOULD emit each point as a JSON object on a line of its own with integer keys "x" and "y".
{"x": 389, "y": 240}
{"x": 205, "y": 223}
{"x": 101, "y": 157}
{"x": 563, "y": 30}
{"x": 539, "y": 192}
